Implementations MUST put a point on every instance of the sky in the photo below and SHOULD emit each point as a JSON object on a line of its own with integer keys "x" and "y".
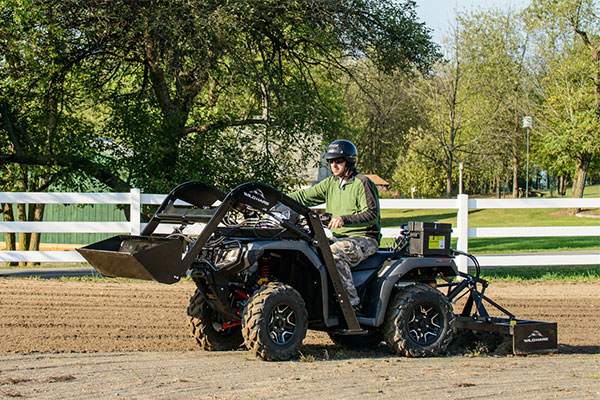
{"x": 439, "y": 14}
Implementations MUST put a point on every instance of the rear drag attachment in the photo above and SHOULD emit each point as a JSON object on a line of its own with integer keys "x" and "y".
{"x": 528, "y": 337}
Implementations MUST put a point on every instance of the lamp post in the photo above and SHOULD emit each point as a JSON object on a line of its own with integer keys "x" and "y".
{"x": 460, "y": 178}
{"x": 527, "y": 123}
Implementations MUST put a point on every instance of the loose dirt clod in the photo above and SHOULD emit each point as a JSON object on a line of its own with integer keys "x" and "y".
{"x": 64, "y": 378}
{"x": 13, "y": 381}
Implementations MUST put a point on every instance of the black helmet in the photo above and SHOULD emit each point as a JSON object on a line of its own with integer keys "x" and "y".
{"x": 342, "y": 148}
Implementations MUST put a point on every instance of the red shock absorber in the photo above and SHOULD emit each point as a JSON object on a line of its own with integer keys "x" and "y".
{"x": 265, "y": 273}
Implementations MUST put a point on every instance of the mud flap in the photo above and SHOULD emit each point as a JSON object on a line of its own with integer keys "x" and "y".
{"x": 528, "y": 337}
{"x": 137, "y": 257}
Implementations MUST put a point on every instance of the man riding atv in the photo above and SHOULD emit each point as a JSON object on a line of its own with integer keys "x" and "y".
{"x": 353, "y": 202}
{"x": 266, "y": 272}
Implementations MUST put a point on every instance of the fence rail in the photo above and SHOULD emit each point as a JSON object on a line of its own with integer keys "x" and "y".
{"x": 462, "y": 204}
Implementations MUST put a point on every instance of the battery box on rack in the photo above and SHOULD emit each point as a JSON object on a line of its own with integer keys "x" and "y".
{"x": 429, "y": 238}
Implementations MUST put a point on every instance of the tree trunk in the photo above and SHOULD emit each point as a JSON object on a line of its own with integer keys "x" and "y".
{"x": 515, "y": 191}
{"x": 580, "y": 177}
{"x": 561, "y": 185}
{"x": 498, "y": 187}
{"x": 9, "y": 238}
{"x": 23, "y": 236}
{"x": 37, "y": 211}
{"x": 449, "y": 184}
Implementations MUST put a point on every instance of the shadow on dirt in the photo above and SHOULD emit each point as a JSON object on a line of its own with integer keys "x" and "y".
{"x": 568, "y": 349}
{"x": 469, "y": 343}
{"x": 334, "y": 352}
{"x": 464, "y": 343}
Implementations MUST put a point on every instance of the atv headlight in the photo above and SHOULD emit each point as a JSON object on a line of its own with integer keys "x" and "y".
{"x": 229, "y": 255}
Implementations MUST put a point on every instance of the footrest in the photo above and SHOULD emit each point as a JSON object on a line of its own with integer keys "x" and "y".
{"x": 359, "y": 332}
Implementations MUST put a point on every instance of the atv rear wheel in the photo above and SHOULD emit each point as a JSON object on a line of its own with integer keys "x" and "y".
{"x": 419, "y": 322}
{"x": 274, "y": 322}
{"x": 371, "y": 339}
{"x": 210, "y": 329}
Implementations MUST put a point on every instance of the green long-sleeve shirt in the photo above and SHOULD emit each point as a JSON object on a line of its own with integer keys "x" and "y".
{"x": 357, "y": 202}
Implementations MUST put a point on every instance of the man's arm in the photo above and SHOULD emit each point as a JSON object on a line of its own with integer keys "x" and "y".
{"x": 313, "y": 196}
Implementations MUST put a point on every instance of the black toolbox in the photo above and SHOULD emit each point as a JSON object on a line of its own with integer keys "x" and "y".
{"x": 429, "y": 238}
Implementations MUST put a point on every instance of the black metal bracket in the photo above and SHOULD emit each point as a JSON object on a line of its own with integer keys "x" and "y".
{"x": 477, "y": 298}
{"x": 341, "y": 296}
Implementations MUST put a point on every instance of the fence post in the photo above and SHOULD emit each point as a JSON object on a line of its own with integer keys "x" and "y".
{"x": 462, "y": 225}
{"x": 135, "y": 211}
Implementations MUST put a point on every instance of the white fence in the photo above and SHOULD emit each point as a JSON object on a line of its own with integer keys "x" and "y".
{"x": 462, "y": 231}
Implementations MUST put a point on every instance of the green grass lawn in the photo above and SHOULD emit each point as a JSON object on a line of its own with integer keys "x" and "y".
{"x": 532, "y": 244}
{"x": 551, "y": 273}
{"x": 526, "y": 245}
{"x": 484, "y": 218}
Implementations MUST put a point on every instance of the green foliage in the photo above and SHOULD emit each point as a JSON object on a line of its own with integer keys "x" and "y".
{"x": 568, "y": 87}
{"x": 151, "y": 94}
{"x": 491, "y": 217}
{"x": 417, "y": 169}
{"x": 471, "y": 108}
{"x": 109, "y": 95}
{"x": 381, "y": 111}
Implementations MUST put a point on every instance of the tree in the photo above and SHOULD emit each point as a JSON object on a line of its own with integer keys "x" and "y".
{"x": 177, "y": 90}
{"x": 473, "y": 104}
{"x": 381, "y": 112}
{"x": 493, "y": 47}
{"x": 36, "y": 125}
{"x": 569, "y": 83}
{"x": 41, "y": 98}
{"x": 441, "y": 139}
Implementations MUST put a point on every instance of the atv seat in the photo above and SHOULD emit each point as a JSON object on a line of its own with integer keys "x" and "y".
{"x": 367, "y": 270}
{"x": 374, "y": 261}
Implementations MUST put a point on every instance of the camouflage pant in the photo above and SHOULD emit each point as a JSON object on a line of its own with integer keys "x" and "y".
{"x": 348, "y": 252}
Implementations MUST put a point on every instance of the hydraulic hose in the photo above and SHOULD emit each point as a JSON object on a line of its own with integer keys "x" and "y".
{"x": 472, "y": 257}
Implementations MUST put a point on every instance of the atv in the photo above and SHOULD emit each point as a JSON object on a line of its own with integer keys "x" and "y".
{"x": 265, "y": 274}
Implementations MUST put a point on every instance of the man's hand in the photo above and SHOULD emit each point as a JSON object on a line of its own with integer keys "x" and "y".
{"x": 336, "y": 222}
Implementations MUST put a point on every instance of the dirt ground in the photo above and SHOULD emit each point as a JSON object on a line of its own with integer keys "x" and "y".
{"x": 129, "y": 339}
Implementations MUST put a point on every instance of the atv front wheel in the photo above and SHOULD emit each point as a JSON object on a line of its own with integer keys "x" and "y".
{"x": 210, "y": 329}
{"x": 274, "y": 322}
{"x": 419, "y": 322}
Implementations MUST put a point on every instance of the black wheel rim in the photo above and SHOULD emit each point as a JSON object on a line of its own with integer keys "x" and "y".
{"x": 282, "y": 324}
{"x": 425, "y": 324}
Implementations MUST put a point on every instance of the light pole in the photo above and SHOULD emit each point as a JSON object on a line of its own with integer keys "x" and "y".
{"x": 460, "y": 178}
{"x": 527, "y": 123}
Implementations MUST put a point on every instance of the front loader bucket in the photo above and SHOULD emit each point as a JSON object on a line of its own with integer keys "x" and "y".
{"x": 137, "y": 257}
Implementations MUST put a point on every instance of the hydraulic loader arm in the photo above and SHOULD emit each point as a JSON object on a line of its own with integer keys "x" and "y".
{"x": 261, "y": 197}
